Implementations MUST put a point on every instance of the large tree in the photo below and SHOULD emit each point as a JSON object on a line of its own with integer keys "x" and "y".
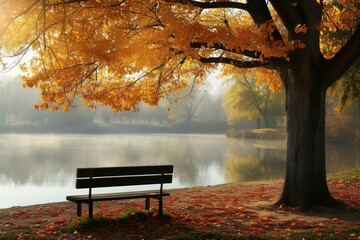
{"x": 121, "y": 52}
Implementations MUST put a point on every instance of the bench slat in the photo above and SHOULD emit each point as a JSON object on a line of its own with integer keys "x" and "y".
{"x": 122, "y": 181}
{"x": 115, "y": 196}
{"x": 123, "y": 171}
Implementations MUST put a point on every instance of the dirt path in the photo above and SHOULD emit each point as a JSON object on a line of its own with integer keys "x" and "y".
{"x": 233, "y": 211}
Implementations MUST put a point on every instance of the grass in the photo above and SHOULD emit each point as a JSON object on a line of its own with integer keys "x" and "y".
{"x": 86, "y": 223}
{"x": 132, "y": 212}
{"x": 352, "y": 175}
{"x": 99, "y": 221}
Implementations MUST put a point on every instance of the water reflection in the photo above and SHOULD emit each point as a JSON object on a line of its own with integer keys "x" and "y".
{"x": 341, "y": 157}
{"x": 44, "y": 159}
{"x": 48, "y": 162}
{"x": 252, "y": 160}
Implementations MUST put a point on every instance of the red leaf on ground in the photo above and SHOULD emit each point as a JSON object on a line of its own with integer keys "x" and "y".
{"x": 42, "y": 235}
{"x": 50, "y": 227}
{"x": 61, "y": 220}
{"x": 54, "y": 214}
{"x": 37, "y": 221}
{"x": 212, "y": 219}
{"x": 20, "y": 227}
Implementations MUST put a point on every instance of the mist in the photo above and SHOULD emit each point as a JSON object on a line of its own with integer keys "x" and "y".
{"x": 196, "y": 110}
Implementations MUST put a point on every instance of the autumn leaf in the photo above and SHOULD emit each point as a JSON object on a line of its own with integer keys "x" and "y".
{"x": 300, "y": 28}
{"x": 54, "y": 214}
{"x": 61, "y": 220}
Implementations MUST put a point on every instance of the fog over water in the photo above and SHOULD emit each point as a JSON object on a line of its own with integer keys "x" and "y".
{"x": 41, "y": 168}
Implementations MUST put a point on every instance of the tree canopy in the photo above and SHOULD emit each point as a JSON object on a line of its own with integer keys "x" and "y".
{"x": 119, "y": 53}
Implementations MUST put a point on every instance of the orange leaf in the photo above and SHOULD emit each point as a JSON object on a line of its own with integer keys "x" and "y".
{"x": 61, "y": 220}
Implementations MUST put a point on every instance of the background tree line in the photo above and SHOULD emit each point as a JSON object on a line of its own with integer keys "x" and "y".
{"x": 191, "y": 108}
{"x": 243, "y": 104}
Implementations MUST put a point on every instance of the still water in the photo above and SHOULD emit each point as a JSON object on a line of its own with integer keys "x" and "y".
{"x": 41, "y": 168}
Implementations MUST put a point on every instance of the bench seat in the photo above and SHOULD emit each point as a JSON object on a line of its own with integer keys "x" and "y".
{"x": 116, "y": 196}
{"x": 104, "y": 177}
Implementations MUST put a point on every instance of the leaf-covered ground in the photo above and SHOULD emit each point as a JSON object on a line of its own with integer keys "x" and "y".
{"x": 230, "y": 211}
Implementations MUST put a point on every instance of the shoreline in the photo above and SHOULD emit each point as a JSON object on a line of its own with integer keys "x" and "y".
{"x": 352, "y": 174}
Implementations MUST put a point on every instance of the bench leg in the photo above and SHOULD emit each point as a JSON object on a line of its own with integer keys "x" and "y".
{"x": 147, "y": 203}
{"x": 90, "y": 209}
{"x": 79, "y": 209}
{"x": 160, "y": 206}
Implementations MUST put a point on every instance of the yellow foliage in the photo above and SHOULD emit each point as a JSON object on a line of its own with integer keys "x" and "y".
{"x": 344, "y": 19}
{"x": 119, "y": 53}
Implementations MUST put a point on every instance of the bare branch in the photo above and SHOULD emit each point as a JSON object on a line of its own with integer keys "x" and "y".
{"x": 65, "y": 2}
{"x": 221, "y": 46}
{"x": 209, "y": 5}
{"x": 237, "y": 63}
{"x": 288, "y": 14}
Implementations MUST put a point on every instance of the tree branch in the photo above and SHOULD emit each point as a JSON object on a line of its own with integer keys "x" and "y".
{"x": 222, "y": 46}
{"x": 237, "y": 63}
{"x": 288, "y": 14}
{"x": 247, "y": 53}
{"x": 259, "y": 11}
{"x": 65, "y": 2}
{"x": 210, "y": 5}
{"x": 347, "y": 55}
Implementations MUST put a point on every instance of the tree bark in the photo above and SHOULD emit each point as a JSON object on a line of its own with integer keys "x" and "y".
{"x": 305, "y": 181}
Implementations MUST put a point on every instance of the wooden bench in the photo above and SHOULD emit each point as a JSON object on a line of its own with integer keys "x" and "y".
{"x": 121, "y": 176}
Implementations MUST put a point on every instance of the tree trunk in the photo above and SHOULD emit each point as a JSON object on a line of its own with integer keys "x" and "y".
{"x": 258, "y": 121}
{"x": 269, "y": 121}
{"x": 305, "y": 181}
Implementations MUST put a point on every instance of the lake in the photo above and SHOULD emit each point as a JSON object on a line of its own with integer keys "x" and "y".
{"x": 41, "y": 168}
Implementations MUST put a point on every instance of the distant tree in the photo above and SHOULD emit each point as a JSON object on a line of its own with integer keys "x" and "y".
{"x": 106, "y": 114}
{"x": 186, "y": 105}
{"x": 343, "y": 126}
{"x": 153, "y": 114}
{"x": 348, "y": 89}
{"x": 128, "y": 115}
{"x": 245, "y": 99}
{"x": 16, "y": 101}
{"x": 210, "y": 109}
{"x": 4, "y": 99}
{"x": 161, "y": 112}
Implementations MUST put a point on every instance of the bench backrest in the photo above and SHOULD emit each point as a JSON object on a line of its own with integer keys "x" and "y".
{"x": 123, "y": 176}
